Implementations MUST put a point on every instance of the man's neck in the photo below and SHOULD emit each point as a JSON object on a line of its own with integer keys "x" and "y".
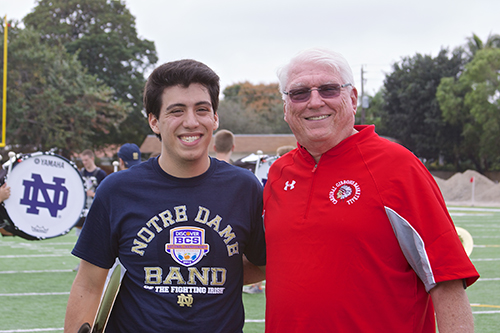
{"x": 186, "y": 169}
{"x": 316, "y": 154}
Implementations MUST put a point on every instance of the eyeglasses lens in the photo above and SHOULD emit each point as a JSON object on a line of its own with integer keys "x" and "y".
{"x": 325, "y": 91}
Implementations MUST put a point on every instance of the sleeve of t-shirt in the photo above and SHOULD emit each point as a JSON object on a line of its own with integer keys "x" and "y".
{"x": 256, "y": 247}
{"x": 412, "y": 193}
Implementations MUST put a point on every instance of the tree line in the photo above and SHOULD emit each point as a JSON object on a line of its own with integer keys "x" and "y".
{"x": 76, "y": 75}
{"x": 445, "y": 109}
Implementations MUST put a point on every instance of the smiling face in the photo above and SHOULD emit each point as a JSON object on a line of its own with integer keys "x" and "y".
{"x": 185, "y": 124}
{"x": 319, "y": 123}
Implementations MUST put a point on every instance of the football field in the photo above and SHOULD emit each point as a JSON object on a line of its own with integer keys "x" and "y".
{"x": 484, "y": 295}
{"x": 36, "y": 277}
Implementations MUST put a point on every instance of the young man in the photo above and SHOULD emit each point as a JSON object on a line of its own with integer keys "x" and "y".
{"x": 179, "y": 223}
{"x": 129, "y": 155}
{"x": 358, "y": 235}
{"x": 224, "y": 145}
{"x": 91, "y": 173}
{"x": 92, "y": 176}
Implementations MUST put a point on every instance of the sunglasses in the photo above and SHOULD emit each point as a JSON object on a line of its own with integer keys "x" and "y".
{"x": 325, "y": 91}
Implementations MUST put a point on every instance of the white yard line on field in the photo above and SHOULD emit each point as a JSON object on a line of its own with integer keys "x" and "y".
{"x": 35, "y": 294}
{"x": 41, "y": 271}
{"x": 14, "y": 256}
{"x": 61, "y": 329}
{"x": 33, "y": 330}
{"x": 488, "y": 279}
{"x": 471, "y": 209}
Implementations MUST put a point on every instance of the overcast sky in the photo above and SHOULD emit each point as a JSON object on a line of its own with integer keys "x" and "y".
{"x": 247, "y": 40}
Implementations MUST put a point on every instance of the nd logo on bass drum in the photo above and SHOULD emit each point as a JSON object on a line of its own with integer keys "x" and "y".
{"x": 47, "y": 196}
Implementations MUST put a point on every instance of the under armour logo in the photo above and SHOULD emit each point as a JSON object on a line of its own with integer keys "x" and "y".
{"x": 32, "y": 188}
{"x": 289, "y": 186}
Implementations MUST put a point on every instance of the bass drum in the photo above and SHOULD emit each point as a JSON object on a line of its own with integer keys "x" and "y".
{"x": 47, "y": 196}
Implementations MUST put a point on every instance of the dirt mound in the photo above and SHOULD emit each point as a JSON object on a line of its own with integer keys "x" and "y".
{"x": 458, "y": 189}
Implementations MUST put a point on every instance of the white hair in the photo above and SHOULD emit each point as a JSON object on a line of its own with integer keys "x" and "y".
{"x": 320, "y": 57}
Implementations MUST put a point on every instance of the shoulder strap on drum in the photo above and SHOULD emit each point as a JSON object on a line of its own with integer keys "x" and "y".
{"x": 94, "y": 173}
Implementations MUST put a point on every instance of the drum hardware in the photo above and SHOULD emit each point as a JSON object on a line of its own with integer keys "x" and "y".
{"x": 12, "y": 156}
{"x": 466, "y": 240}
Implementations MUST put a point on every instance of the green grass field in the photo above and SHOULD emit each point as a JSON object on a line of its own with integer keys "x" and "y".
{"x": 36, "y": 276}
{"x": 484, "y": 295}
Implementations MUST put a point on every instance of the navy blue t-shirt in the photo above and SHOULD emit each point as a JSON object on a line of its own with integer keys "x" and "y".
{"x": 91, "y": 181}
{"x": 181, "y": 241}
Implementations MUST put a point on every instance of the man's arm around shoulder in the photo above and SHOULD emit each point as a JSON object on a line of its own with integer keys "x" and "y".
{"x": 252, "y": 273}
{"x": 453, "y": 311}
{"x": 85, "y": 296}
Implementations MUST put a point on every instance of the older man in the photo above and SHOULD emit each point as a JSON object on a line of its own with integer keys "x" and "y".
{"x": 358, "y": 235}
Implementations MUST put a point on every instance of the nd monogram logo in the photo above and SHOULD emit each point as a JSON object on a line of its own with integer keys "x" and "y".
{"x": 33, "y": 188}
{"x": 184, "y": 300}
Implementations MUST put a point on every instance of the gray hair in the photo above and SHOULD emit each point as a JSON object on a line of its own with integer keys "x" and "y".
{"x": 317, "y": 56}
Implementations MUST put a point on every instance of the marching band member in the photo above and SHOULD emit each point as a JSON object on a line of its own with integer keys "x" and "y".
{"x": 180, "y": 223}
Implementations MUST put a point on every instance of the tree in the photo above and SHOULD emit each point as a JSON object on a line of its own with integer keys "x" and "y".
{"x": 52, "y": 101}
{"x": 472, "y": 101}
{"x": 375, "y": 111}
{"x": 252, "y": 109}
{"x": 411, "y": 111}
{"x": 474, "y": 44}
{"x": 102, "y": 34}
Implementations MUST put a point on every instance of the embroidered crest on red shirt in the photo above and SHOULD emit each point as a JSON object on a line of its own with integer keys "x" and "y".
{"x": 345, "y": 191}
